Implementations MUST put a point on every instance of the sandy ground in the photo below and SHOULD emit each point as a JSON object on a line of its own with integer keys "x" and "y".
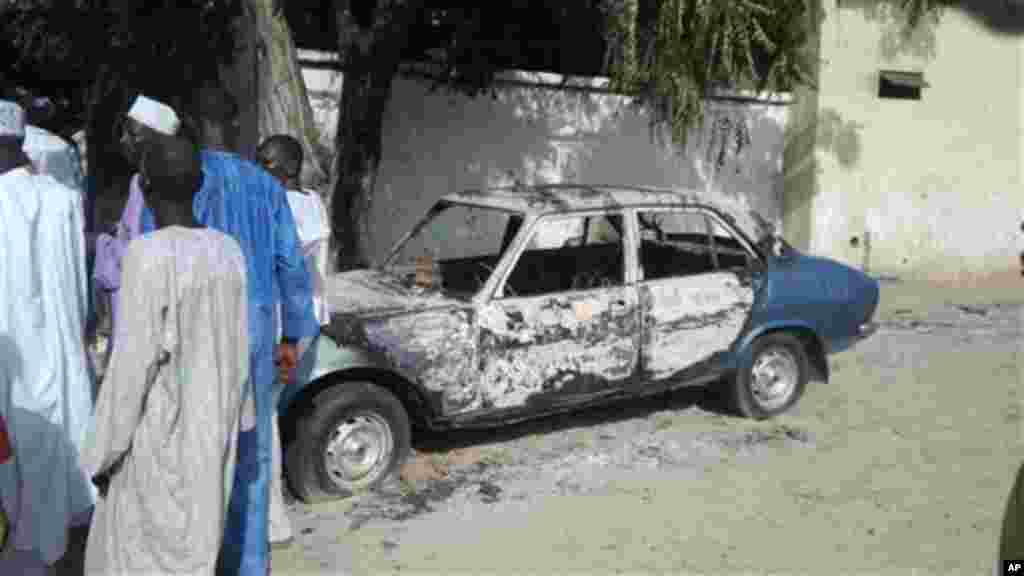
{"x": 901, "y": 464}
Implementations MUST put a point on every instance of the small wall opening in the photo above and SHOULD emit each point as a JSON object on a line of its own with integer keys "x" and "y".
{"x": 900, "y": 85}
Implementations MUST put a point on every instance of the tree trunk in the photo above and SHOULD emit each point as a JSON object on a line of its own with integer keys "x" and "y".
{"x": 240, "y": 126}
{"x": 107, "y": 178}
{"x": 371, "y": 58}
{"x": 283, "y": 103}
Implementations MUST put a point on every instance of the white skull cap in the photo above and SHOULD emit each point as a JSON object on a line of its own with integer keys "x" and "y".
{"x": 12, "y": 119}
{"x": 156, "y": 115}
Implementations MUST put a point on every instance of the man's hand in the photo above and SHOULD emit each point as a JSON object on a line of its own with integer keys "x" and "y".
{"x": 286, "y": 359}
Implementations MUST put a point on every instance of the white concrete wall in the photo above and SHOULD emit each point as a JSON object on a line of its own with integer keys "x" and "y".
{"x": 937, "y": 182}
{"x": 439, "y": 142}
{"x": 324, "y": 89}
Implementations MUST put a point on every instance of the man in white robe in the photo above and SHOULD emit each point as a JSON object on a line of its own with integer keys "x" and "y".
{"x": 51, "y": 154}
{"x": 163, "y": 442}
{"x": 281, "y": 156}
{"x": 46, "y": 385}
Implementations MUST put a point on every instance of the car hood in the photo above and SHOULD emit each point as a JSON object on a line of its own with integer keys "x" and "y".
{"x": 801, "y": 278}
{"x": 373, "y": 292}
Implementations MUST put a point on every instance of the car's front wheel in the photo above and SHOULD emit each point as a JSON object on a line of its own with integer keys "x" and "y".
{"x": 355, "y": 437}
{"x": 773, "y": 378}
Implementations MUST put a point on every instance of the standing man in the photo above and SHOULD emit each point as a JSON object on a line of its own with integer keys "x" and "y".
{"x": 281, "y": 156}
{"x": 240, "y": 199}
{"x": 167, "y": 419}
{"x": 147, "y": 120}
{"x": 45, "y": 383}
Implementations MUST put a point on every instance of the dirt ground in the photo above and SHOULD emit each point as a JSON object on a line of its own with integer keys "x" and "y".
{"x": 901, "y": 464}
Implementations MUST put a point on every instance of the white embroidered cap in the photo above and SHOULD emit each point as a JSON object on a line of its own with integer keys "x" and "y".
{"x": 12, "y": 119}
{"x": 156, "y": 115}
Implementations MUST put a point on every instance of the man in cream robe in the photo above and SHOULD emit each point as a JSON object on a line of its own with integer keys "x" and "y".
{"x": 243, "y": 201}
{"x": 164, "y": 439}
{"x": 46, "y": 385}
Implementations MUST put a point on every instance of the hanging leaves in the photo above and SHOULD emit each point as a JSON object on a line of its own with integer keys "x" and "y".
{"x": 676, "y": 54}
{"x": 70, "y": 39}
{"x": 692, "y": 48}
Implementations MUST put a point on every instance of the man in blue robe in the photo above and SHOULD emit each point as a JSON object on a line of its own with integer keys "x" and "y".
{"x": 238, "y": 198}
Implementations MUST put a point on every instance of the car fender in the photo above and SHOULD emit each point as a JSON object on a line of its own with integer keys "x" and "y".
{"x": 323, "y": 357}
{"x": 741, "y": 350}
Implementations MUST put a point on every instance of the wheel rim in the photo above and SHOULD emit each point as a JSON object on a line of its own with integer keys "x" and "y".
{"x": 358, "y": 450}
{"x": 774, "y": 377}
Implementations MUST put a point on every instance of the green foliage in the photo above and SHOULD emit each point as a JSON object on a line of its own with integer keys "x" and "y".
{"x": 676, "y": 54}
{"x": 73, "y": 39}
{"x": 917, "y": 10}
{"x": 468, "y": 44}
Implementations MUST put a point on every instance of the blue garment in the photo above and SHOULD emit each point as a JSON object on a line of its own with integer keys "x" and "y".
{"x": 240, "y": 199}
{"x": 148, "y": 224}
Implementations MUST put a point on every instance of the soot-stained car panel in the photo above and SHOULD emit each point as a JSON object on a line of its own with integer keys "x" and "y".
{"x": 688, "y": 320}
{"x": 544, "y": 348}
{"x": 436, "y": 348}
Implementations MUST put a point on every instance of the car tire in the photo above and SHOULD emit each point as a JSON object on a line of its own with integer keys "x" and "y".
{"x": 358, "y": 416}
{"x": 773, "y": 377}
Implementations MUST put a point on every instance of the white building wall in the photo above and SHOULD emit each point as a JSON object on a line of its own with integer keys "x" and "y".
{"x": 439, "y": 142}
{"x": 935, "y": 183}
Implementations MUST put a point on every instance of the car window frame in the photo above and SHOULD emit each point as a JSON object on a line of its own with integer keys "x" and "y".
{"x": 424, "y": 218}
{"x": 526, "y": 233}
{"x": 709, "y": 215}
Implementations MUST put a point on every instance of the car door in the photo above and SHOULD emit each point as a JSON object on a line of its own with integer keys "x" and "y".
{"x": 563, "y": 324}
{"x": 693, "y": 301}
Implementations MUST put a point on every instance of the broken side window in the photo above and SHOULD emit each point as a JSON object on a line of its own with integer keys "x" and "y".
{"x": 675, "y": 243}
{"x": 566, "y": 254}
{"x": 461, "y": 242}
{"x": 727, "y": 251}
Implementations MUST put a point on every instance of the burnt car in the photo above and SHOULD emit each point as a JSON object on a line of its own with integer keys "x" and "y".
{"x": 509, "y": 304}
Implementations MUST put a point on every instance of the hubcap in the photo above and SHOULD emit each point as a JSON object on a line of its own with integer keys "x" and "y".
{"x": 774, "y": 377}
{"x": 358, "y": 450}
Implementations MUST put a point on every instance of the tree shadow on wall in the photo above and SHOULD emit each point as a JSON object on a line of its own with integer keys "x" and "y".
{"x": 735, "y": 155}
{"x": 840, "y": 138}
{"x": 897, "y": 38}
{"x": 438, "y": 142}
{"x": 1002, "y": 17}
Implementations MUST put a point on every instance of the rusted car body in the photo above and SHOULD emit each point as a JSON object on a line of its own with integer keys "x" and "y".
{"x": 673, "y": 292}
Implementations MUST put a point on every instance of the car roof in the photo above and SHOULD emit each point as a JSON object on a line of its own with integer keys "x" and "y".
{"x": 556, "y": 198}
{"x": 560, "y": 198}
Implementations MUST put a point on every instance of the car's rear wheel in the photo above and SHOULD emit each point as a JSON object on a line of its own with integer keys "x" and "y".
{"x": 356, "y": 436}
{"x": 773, "y": 378}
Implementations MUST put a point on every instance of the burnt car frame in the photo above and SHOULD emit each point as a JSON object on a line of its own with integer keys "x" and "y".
{"x": 596, "y": 293}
